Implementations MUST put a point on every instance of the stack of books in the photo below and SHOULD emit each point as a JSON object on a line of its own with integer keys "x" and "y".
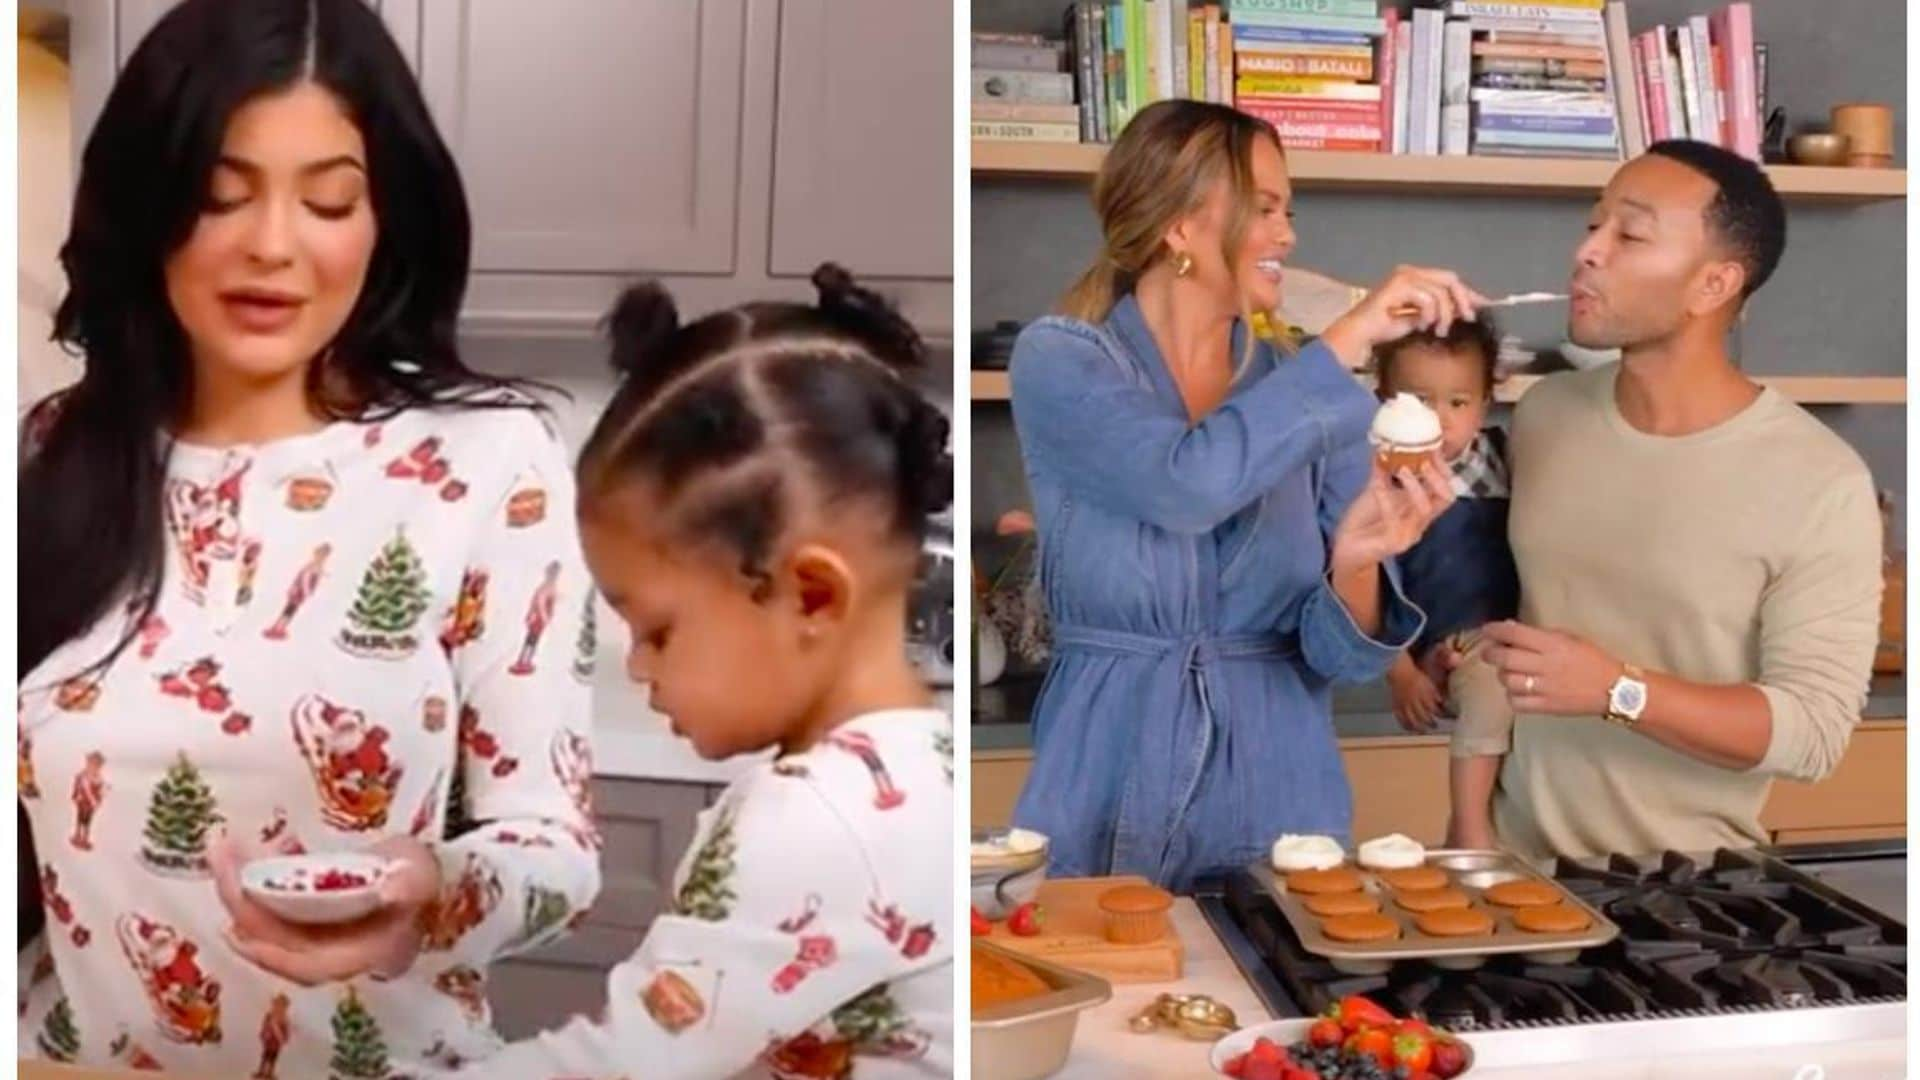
{"x": 1320, "y": 71}
{"x": 1704, "y": 80}
{"x": 1524, "y": 79}
{"x": 1022, "y": 90}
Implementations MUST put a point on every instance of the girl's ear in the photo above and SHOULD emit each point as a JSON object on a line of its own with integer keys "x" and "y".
{"x": 820, "y": 587}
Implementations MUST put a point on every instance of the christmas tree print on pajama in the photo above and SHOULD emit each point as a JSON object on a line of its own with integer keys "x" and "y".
{"x": 392, "y": 597}
{"x": 181, "y": 812}
{"x": 59, "y": 1039}
{"x": 546, "y": 910}
{"x": 305, "y": 584}
{"x": 359, "y": 1048}
{"x": 346, "y": 754}
{"x": 89, "y": 791}
{"x": 185, "y": 999}
{"x": 539, "y": 616}
{"x": 275, "y": 1030}
{"x": 707, "y": 893}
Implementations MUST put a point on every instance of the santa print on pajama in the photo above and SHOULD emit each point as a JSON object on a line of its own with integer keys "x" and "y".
{"x": 287, "y": 686}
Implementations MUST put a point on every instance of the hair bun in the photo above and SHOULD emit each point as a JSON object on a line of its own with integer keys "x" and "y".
{"x": 640, "y": 324}
{"x": 868, "y": 316}
{"x": 926, "y": 467}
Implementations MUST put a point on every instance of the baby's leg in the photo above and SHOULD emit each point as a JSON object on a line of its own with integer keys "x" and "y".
{"x": 1480, "y": 740}
{"x": 1470, "y": 784}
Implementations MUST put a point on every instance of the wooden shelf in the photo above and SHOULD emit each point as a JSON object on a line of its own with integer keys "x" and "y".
{"x": 1329, "y": 170}
{"x": 1805, "y": 389}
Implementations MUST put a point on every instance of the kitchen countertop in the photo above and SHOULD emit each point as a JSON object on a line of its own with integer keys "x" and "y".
{"x": 1801, "y": 1047}
{"x": 1105, "y": 1048}
{"x": 1000, "y": 711}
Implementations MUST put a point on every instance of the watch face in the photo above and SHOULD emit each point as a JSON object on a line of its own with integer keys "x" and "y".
{"x": 1629, "y": 697}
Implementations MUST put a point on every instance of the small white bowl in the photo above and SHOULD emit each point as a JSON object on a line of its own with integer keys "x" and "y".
{"x": 1003, "y": 880}
{"x": 289, "y": 886}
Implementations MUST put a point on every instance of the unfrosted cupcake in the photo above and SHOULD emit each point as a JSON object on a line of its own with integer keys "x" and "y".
{"x": 1404, "y": 433}
{"x": 1136, "y": 914}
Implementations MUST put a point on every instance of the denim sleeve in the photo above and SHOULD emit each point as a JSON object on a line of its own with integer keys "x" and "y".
{"x": 1117, "y": 445}
{"x": 1333, "y": 644}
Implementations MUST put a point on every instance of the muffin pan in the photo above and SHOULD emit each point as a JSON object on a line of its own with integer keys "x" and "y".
{"x": 1472, "y": 872}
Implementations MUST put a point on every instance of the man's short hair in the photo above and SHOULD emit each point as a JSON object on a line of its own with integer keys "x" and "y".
{"x": 1746, "y": 213}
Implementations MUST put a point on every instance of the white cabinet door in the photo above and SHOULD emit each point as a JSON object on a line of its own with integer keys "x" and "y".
{"x": 863, "y": 153}
{"x": 593, "y": 137}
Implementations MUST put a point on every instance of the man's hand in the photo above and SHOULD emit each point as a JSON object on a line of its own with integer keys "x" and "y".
{"x": 1551, "y": 672}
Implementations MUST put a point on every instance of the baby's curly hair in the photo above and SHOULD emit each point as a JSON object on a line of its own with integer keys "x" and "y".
{"x": 1479, "y": 337}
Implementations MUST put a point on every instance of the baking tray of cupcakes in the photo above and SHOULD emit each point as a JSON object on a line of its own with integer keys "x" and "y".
{"x": 1395, "y": 900}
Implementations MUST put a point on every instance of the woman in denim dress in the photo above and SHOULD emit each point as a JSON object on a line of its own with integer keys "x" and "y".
{"x": 1215, "y": 539}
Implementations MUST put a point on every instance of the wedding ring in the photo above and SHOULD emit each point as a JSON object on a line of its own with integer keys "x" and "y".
{"x": 1529, "y": 684}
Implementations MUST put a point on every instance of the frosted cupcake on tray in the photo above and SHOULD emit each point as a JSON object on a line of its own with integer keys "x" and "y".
{"x": 1404, "y": 433}
{"x": 1392, "y": 852}
{"x": 1294, "y": 851}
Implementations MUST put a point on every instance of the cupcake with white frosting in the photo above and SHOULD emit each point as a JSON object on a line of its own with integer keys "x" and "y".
{"x": 1405, "y": 432}
{"x": 1392, "y": 852}
{"x": 1309, "y": 852}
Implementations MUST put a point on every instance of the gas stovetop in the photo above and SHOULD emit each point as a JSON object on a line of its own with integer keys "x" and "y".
{"x": 1731, "y": 931}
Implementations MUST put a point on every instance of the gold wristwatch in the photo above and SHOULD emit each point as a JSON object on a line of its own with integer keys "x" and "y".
{"x": 1627, "y": 698}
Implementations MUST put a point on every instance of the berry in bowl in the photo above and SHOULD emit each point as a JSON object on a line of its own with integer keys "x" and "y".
{"x": 317, "y": 889}
{"x": 1355, "y": 1040}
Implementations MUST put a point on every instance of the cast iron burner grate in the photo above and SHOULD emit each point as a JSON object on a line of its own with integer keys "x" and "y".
{"x": 1739, "y": 934}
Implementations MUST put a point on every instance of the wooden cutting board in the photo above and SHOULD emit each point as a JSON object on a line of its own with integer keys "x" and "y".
{"x": 1074, "y": 935}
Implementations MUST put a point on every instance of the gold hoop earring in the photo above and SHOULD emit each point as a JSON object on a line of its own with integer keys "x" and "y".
{"x": 1182, "y": 264}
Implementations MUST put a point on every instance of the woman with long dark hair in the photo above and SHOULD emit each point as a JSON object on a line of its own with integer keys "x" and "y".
{"x": 292, "y": 577}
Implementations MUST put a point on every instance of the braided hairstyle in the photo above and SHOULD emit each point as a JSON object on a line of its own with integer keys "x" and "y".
{"x": 754, "y": 418}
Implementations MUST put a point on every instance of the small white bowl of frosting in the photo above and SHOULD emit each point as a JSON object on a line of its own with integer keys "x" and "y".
{"x": 1007, "y": 867}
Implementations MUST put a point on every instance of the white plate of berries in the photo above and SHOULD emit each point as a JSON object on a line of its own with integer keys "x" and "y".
{"x": 317, "y": 889}
{"x": 1355, "y": 1040}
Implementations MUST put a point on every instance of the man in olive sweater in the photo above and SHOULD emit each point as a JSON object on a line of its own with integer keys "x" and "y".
{"x": 1699, "y": 557}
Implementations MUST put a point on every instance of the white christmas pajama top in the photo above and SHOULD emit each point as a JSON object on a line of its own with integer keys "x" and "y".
{"x": 361, "y": 633}
{"x": 811, "y": 933}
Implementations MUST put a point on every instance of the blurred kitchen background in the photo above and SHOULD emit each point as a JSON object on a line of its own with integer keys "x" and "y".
{"x": 725, "y": 146}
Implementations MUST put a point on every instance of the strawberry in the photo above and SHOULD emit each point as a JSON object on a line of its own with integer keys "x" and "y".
{"x": 1413, "y": 1050}
{"x": 1235, "y": 1066}
{"x": 1264, "y": 1070}
{"x": 1449, "y": 1058}
{"x": 1324, "y": 1033}
{"x": 1417, "y": 1027}
{"x": 981, "y": 927}
{"x": 1372, "y": 1042}
{"x": 1266, "y": 1051}
{"x": 1026, "y": 919}
{"x": 1354, "y": 1011}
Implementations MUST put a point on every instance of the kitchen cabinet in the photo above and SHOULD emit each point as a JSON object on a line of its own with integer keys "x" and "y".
{"x": 1400, "y": 785}
{"x": 646, "y": 826}
{"x": 863, "y": 134}
{"x": 593, "y": 137}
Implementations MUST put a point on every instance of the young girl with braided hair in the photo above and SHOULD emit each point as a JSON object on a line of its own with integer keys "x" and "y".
{"x": 752, "y": 504}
